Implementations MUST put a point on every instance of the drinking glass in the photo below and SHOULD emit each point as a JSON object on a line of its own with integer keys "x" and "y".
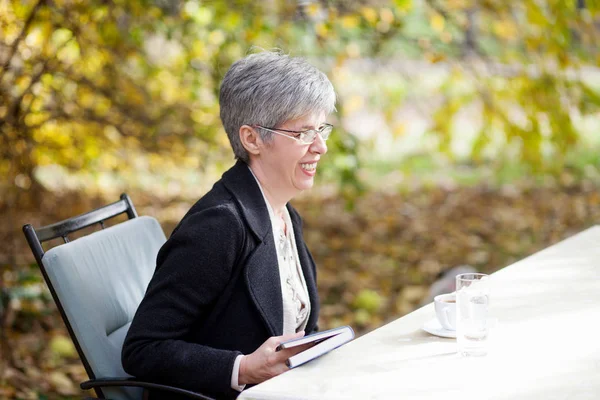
{"x": 472, "y": 306}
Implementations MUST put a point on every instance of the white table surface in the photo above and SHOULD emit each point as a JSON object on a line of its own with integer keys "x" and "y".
{"x": 546, "y": 344}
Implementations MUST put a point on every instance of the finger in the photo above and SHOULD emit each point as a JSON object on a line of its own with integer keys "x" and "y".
{"x": 277, "y": 340}
{"x": 284, "y": 354}
{"x": 281, "y": 368}
{"x": 290, "y": 336}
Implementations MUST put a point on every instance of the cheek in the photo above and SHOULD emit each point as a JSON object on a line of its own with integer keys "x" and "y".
{"x": 293, "y": 159}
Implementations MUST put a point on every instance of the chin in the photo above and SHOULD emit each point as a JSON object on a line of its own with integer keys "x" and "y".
{"x": 305, "y": 184}
{"x": 302, "y": 181}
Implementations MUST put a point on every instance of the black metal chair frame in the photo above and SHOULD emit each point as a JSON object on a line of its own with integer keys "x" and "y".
{"x": 62, "y": 229}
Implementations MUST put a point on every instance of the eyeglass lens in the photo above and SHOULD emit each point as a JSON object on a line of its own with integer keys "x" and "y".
{"x": 310, "y": 135}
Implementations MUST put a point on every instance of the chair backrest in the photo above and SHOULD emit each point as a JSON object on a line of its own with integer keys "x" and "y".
{"x": 98, "y": 282}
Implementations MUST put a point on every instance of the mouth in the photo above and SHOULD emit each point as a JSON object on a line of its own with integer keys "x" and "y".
{"x": 309, "y": 166}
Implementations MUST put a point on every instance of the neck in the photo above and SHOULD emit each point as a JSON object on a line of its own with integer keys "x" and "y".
{"x": 276, "y": 199}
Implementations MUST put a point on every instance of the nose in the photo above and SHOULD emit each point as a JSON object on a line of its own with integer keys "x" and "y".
{"x": 318, "y": 146}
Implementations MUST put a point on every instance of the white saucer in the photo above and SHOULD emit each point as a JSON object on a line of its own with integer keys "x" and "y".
{"x": 433, "y": 326}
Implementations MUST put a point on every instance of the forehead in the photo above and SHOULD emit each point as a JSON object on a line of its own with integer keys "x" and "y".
{"x": 310, "y": 121}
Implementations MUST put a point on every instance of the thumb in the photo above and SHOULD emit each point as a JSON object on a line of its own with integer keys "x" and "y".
{"x": 291, "y": 336}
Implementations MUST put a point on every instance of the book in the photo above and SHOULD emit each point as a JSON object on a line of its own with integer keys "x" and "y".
{"x": 324, "y": 342}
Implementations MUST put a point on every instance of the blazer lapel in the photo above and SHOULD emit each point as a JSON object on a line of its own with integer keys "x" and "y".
{"x": 262, "y": 269}
{"x": 262, "y": 278}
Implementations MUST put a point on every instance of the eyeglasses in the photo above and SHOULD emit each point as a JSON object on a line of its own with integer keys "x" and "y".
{"x": 305, "y": 137}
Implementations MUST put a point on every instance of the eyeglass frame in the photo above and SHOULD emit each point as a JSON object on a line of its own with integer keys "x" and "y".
{"x": 318, "y": 132}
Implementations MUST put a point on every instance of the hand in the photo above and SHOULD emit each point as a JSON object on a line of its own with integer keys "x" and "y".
{"x": 266, "y": 362}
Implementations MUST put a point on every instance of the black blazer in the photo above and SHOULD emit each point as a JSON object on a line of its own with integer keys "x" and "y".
{"x": 215, "y": 293}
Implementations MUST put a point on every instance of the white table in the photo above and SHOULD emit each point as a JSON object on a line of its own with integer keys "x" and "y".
{"x": 545, "y": 346}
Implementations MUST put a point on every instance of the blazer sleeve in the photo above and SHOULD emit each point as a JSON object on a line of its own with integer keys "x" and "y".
{"x": 193, "y": 267}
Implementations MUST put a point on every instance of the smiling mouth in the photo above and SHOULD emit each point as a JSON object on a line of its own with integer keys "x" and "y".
{"x": 309, "y": 167}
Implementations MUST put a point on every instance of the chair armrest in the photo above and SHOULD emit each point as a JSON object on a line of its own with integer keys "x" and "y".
{"x": 117, "y": 381}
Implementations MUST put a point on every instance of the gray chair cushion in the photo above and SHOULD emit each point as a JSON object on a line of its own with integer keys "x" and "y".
{"x": 100, "y": 280}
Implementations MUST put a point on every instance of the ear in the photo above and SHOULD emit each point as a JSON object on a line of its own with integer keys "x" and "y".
{"x": 250, "y": 139}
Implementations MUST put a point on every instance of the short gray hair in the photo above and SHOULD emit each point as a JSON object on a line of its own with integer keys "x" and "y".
{"x": 268, "y": 89}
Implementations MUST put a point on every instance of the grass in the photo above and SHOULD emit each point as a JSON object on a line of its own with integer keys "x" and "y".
{"x": 431, "y": 169}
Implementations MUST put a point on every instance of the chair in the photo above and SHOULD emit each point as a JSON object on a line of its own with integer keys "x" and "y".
{"x": 97, "y": 282}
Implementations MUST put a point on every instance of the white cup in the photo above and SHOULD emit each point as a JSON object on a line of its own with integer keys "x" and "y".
{"x": 445, "y": 310}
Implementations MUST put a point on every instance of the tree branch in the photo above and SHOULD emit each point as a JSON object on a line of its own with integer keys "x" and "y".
{"x": 14, "y": 108}
{"x": 15, "y": 44}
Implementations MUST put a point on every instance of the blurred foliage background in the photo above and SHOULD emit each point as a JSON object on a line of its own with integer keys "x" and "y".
{"x": 467, "y": 132}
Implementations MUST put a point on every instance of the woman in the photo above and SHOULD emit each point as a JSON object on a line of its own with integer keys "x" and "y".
{"x": 235, "y": 278}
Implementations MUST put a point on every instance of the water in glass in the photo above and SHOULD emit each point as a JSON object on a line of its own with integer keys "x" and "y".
{"x": 472, "y": 301}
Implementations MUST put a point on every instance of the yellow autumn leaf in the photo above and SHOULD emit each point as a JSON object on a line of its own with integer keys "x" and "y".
{"x": 437, "y": 22}
{"x": 61, "y": 138}
{"x": 403, "y": 5}
{"x": 234, "y": 51}
{"x": 368, "y": 300}
{"x": 199, "y": 49}
{"x": 190, "y": 8}
{"x": 34, "y": 119}
{"x": 216, "y": 37}
{"x": 108, "y": 161}
{"x": 112, "y": 134}
{"x": 35, "y": 37}
{"x": 505, "y": 29}
{"x": 434, "y": 57}
{"x": 369, "y": 14}
{"x": 321, "y": 29}
{"x": 424, "y": 43}
{"x": 446, "y": 37}
{"x": 398, "y": 129}
{"x": 91, "y": 151}
{"x": 313, "y": 9}
{"x": 102, "y": 105}
{"x": 386, "y": 15}
{"x": 340, "y": 75}
{"x": 353, "y": 50}
{"x": 60, "y": 382}
{"x": 354, "y": 103}
{"x": 86, "y": 98}
{"x": 382, "y": 26}
{"x": 203, "y": 16}
{"x": 22, "y": 82}
{"x": 232, "y": 21}
{"x": 350, "y": 21}
{"x": 155, "y": 12}
{"x": 457, "y": 4}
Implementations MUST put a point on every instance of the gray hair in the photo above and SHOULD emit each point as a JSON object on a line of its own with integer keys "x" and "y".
{"x": 268, "y": 89}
